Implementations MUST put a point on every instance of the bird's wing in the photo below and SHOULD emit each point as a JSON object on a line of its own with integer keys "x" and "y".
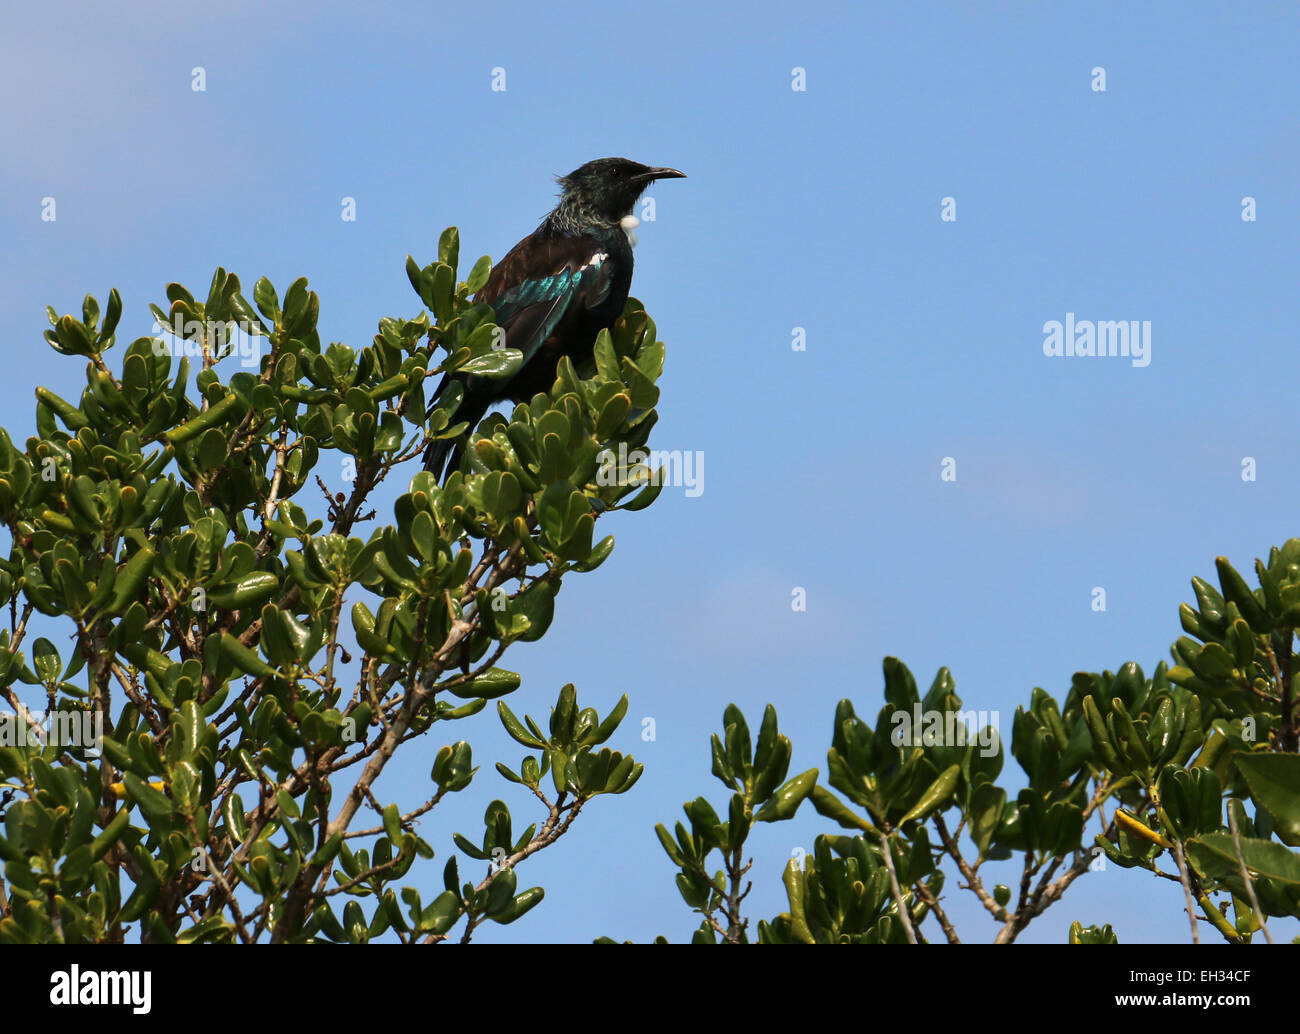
{"x": 540, "y": 281}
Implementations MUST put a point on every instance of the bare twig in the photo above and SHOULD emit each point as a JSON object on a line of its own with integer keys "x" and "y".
{"x": 1250, "y": 884}
{"x": 1187, "y": 890}
{"x": 904, "y": 916}
{"x": 923, "y": 892}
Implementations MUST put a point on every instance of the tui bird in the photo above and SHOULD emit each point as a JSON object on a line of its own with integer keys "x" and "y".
{"x": 555, "y": 290}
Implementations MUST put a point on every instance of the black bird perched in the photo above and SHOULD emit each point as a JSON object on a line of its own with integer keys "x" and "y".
{"x": 556, "y": 290}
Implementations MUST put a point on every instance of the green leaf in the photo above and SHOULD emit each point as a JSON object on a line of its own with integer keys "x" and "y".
{"x": 214, "y": 928}
{"x": 900, "y": 686}
{"x": 648, "y": 494}
{"x": 785, "y": 802}
{"x": 268, "y": 303}
{"x": 110, "y": 834}
{"x": 521, "y": 904}
{"x": 794, "y": 880}
{"x": 1274, "y": 781}
{"x": 497, "y": 364}
{"x": 597, "y": 556}
{"x": 243, "y": 658}
{"x": 987, "y": 805}
{"x": 156, "y": 805}
{"x": 606, "y": 358}
{"x": 935, "y": 796}
{"x": 478, "y": 276}
{"x": 393, "y": 823}
{"x": 453, "y": 766}
{"x": 826, "y": 803}
{"x": 1079, "y": 934}
{"x": 449, "y": 246}
{"x": 495, "y": 682}
{"x": 442, "y": 290}
{"x": 516, "y": 728}
{"x": 442, "y": 913}
{"x": 1214, "y": 853}
{"x": 420, "y": 280}
{"x": 45, "y": 659}
{"x": 612, "y": 415}
{"x": 553, "y": 509}
{"x": 1235, "y": 590}
{"x": 536, "y": 604}
{"x": 247, "y": 591}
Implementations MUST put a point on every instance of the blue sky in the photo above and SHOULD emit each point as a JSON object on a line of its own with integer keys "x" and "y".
{"x": 817, "y": 209}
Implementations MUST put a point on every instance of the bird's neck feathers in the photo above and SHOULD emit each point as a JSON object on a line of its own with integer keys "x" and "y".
{"x": 576, "y": 214}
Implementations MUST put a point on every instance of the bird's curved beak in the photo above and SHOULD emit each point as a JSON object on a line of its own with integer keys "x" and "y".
{"x": 661, "y": 174}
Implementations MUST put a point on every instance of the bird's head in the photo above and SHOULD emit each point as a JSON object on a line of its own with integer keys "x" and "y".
{"x": 607, "y": 188}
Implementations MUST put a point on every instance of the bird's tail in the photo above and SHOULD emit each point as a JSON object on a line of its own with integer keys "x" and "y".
{"x": 444, "y": 454}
